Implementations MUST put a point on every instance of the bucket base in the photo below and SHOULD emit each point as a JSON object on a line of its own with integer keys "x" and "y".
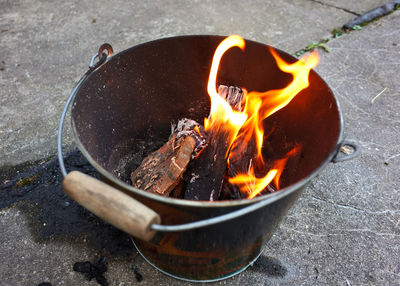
{"x": 190, "y": 280}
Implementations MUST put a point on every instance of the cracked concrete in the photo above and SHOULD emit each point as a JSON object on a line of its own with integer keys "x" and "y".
{"x": 354, "y": 7}
{"x": 344, "y": 229}
{"x": 336, "y": 7}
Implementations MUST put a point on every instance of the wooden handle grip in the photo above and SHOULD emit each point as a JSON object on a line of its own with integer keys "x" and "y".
{"x": 112, "y": 205}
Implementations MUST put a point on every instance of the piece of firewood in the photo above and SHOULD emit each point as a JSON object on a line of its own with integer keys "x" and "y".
{"x": 161, "y": 171}
{"x": 241, "y": 159}
{"x": 240, "y": 166}
{"x": 178, "y": 192}
{"x": 206, "y": 172}
{"x": 232, "y": 192}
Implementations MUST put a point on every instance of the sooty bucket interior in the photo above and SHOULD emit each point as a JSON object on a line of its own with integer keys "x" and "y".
{"x": 138, "y": 93}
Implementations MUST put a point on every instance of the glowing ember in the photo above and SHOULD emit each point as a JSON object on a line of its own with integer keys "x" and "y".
{"x": 246, "y": 127}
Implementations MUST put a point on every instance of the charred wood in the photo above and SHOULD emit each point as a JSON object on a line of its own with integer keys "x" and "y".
{"x": 161, "y": 171}
{"x": 206, "y": 173}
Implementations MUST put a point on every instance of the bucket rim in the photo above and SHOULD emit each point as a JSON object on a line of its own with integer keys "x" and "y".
{"x": 271, "y": 197}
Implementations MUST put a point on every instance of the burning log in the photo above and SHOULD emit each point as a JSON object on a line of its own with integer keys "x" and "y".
{"x": 238, "y": 165}
{"x": 252, "y": 185}
{"x": 206, "y": 173}
{"x": 226, "y": 126}
{"x": 231, "y": 191}
{"x": 161, "y": 171}
{"x": 242, "y": 158}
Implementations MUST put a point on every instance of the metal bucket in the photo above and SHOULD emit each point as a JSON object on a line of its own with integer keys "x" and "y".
{"x": 131, "y": 98}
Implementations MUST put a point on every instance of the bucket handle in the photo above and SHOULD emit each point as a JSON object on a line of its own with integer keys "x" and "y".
{"x": 123, "y": 211}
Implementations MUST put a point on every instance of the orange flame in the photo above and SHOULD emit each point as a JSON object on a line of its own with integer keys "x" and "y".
{"x": 246, "y": 126}
{"x": 252, "y": 185}
{"x": 274, "y": 100}
{"x": 280, "y": 164}
{"x": 221, "y": 113}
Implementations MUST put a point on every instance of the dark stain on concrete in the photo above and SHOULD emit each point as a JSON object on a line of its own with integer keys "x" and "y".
{"x": 37, "y": 192}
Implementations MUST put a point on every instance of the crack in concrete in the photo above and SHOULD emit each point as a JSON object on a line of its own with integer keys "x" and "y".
{"x": 345, "y": 29}
{"x": 336, "y": 7}
{"x": 356, "y": 209}
{"x": 362, "y": 230}
{"x": 341, "y": 232}
{"x": 389, "y": 272}
{"x": 392, "y": 157}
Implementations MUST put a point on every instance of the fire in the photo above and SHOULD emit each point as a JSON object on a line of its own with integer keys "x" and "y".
{"x": 246, "y": 127}
{"x": 221, "y": 113}
{"x": 252, "y": 185}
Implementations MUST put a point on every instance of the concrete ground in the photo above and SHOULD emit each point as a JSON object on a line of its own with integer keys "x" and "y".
{"x": 345, "y": 228}
{"x": 46, "y": 47}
